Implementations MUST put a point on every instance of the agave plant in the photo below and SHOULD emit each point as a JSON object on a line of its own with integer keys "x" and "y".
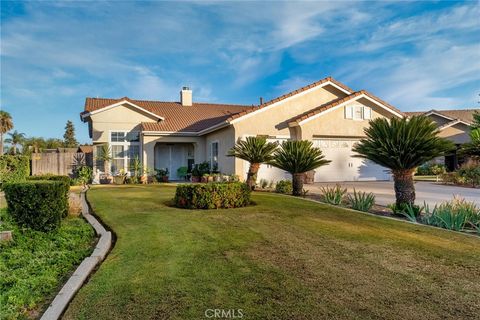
{"x": 255, "y": 150}
{"x": 298, "y": 157}
{"x": 334, "y": 195}
{"x": 402, "y": 145}
{"x": 105, "y": 155}
{"x": 361, "y": 201}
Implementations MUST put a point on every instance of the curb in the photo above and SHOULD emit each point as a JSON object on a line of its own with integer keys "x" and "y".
{"x": 75, "y": 282}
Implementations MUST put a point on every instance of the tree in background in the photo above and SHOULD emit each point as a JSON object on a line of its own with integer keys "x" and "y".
{"x": 402, "y": 145}
{"x": 476, "y": 120}
{"x": 69, "y": 136}
{"x": 6, "y": 124}
{"x": 16, "y": 138}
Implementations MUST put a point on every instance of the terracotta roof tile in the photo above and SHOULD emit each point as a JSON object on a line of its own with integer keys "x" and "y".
{"x": 178, "y": 118}
{"x": 336, "y": 102}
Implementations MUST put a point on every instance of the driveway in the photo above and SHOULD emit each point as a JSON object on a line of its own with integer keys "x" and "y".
{"x": 428, "y": 192}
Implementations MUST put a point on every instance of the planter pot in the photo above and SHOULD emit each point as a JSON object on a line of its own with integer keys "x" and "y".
{"x": 165, "y": 178}
{"x": 210, "y": 179}
{"x": 119, "y": 180}
{"x": 217, "y": 178}
{"x": 106, "y": 180}
{"x": 144, "y": 179}
{"x": 196, "y": 179}
{"x": 204, "y": 179}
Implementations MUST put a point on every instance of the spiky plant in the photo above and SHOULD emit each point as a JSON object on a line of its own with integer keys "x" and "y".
{"x": 255, "y": 150}
{"x": 298, "y": 157}
{"x": 6, "y": 124}
{"x": 402, "y": 145}
{"x": 472, "y": 148}
{"x": 105, "y": 155}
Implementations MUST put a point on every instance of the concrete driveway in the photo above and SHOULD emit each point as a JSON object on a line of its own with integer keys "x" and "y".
{"x": 430, "y": 192}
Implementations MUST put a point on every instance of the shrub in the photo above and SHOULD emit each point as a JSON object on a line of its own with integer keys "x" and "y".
{"x": 83, "y": 175}
{"x": 37, "y": 204}
{"x": 13, "y": 168}
{"x": 411, "y": 212}
{"x": 361, "y": 201}
{"x": 212, "y": 195}
{"x": 471, "y": 174}
{"x": 284, "y": 186}
{"x": 429, "y": 169}
{"x": 333, "y": 195}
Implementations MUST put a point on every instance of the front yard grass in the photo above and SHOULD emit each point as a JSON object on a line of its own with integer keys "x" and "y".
{"x": 34, "y": 265}
{"x": 283, "y": 258}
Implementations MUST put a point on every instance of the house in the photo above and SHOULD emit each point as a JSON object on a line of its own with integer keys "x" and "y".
{"x": 176, "y": 134}
{"x": 453, "y": 125}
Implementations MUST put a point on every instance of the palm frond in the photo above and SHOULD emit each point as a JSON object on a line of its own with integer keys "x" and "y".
{"x": 298, "y": 157}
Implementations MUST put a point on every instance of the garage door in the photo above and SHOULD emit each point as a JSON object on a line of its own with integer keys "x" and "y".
{"x": 344, "y": 167}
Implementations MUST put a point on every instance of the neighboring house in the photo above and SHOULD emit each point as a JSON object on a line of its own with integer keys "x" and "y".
{"x": 453, "y": 125}
{"x": 175, "y": 134}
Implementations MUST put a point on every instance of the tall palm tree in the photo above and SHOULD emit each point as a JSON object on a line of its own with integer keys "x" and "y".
{"x": 298, "y": 157}
{"x": 402, "y": 145}
{"x": 255, "y": 150}
{"x": 15, "y": 139}
{"x": 6, "y": 124}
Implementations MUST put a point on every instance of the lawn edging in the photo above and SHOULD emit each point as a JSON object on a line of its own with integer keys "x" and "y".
{"x": 385, "y": 217}
{"x": 75, "y": 282}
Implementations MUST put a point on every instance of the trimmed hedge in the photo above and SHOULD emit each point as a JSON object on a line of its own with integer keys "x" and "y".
{"x": 212, "y": 195}
{"x": 13, "y": 168}
{"x": 37, "y": 204}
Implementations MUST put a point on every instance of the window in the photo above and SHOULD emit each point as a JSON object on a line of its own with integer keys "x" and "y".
{"x": 125, "y": 147}
{"x": 214, "y": 155}
{"x": 358, "y": 112}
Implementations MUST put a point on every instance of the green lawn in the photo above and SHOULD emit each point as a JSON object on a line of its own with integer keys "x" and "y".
{"x": 282, "y": 258}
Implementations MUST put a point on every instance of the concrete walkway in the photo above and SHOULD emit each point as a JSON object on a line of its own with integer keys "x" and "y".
{"x": 430, "y": 192}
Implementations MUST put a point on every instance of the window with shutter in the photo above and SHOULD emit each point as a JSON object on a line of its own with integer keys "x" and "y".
{"x": 367, "y": 113}
{"x": 348, "y": 112}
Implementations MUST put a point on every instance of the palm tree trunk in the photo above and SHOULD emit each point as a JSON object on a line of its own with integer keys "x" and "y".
{"x": 252, "y": 175}
{"x": 404, "y": 187}
{"x": 298, "y": 183}
{"x": 1, "y": 143}
{"x": 106, "y": 165}
{"x": 14, "y": 146}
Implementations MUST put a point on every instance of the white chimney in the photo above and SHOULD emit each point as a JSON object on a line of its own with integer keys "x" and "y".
{"x": 186, "y": 97}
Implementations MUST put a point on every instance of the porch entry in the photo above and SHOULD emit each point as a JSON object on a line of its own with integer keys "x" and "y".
{"x": 172, "y": 156}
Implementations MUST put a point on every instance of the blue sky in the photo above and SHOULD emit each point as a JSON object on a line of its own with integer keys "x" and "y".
{"x": 415, "y": 55}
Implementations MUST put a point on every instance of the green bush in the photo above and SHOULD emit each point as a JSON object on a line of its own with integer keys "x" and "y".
{"x": 284, "y": 186}
{"x": 83, "y": 175}
{"x": 470, "y": 174}
{"x": 361, "y": 201}
{"x": 37, "y": 204}
{"x": 13, "y": 168}
{"x": 429, "y": 169}
{"x": 333, "y": 195}
{"x": 212, "y": 195}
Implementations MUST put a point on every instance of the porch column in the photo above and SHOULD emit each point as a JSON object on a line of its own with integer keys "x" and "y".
{"x": 148, "y": 152}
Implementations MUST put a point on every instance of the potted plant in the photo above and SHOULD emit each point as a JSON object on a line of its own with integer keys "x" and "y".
{"x": 120, "y": 177}
{"x": 162, "y": 175}
{"x": 105, "y": 155}
{"x": 196, "y": 175}
{"x": 136, "y": 170}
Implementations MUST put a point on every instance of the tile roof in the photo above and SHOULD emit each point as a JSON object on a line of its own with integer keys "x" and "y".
{"x": 336, "y": 102}
{"x": 292, "y": 93}
{"x": 465, "y": 115}
{"x": 178, "y": 118}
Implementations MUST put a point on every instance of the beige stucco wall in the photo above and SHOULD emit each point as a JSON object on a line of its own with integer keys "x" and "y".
{"x": 274, "y": 121}
{"x": 226, "y": 140}
{"x": 149, "y": 143}
{"x": 122, "y": 118}
{"x": 334, "y": 123}
{"x": 458, "y": 133}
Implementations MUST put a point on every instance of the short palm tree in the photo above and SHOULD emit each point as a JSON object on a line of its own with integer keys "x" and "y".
{"x": 105, "y": 155}
{"x": 402, "y": 145}
{"x": 255, "y": 150}
{"x": 6, "y": 124}
{"x": 472, "y": 148}
{"x": 298, "y": 157}
{"x": 16, "y": 138}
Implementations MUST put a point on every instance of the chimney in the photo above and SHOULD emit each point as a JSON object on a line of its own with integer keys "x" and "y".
{"x": 261, "y": 100}
{"x": 186, "y": 97}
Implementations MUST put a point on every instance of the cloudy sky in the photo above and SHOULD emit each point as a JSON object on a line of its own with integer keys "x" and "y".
{"x": 415, "y": 55}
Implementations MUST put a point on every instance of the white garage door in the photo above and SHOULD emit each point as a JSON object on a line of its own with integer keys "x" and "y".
{"x": 344, "y": 167}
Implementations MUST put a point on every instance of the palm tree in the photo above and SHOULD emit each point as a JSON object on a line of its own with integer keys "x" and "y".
{"x": 6, "y": 124}
{"x": 472, "y": 148}
{"x": 15, "y": 139}
{"x": 255, "y": 150}
{"x": 105, "y": 155}
{"x": 298, "y": 157}
{"x": 402, "y": 145}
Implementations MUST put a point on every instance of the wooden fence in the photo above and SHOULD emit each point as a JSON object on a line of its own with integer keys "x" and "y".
{"x": 59, "y": 163}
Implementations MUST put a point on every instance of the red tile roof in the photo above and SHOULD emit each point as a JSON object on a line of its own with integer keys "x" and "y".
{"x": 178, "y": 118}
{"x": 336, "y": 102}
{"x": 292, "y": 93}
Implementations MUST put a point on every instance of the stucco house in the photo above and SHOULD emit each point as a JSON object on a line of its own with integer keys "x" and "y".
{"x": 453, "y": 125}
{"x": 175, "y": 134}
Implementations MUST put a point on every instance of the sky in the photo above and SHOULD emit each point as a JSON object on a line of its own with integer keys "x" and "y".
{"x": 414, "y": 55}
